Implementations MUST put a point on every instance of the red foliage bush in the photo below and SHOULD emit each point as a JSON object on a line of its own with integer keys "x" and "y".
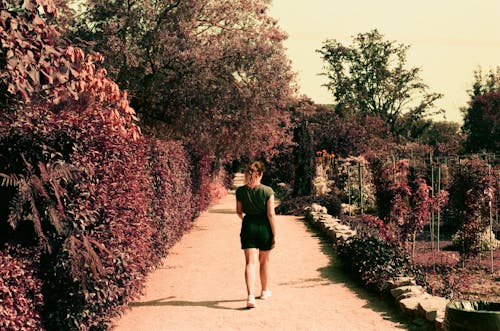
{"x": 403, "y": 196}
{"x": 131, "y": 202}
{"x": 20, "y": 290}
{"x": 473, "y": 192}
{"x": 218, "y": 186}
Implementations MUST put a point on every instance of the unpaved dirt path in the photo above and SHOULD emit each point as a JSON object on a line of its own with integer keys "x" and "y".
{"x": 200, "y": 285}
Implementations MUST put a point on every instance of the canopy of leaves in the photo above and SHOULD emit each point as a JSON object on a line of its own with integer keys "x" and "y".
{"x": 369, "y": 77}
{"x": 485, "y": 82}
{"x": 212, "y": 73}
{"x": 348, "y": 134}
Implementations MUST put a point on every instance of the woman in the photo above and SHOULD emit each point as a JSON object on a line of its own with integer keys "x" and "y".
{"x": 258, "y": 231}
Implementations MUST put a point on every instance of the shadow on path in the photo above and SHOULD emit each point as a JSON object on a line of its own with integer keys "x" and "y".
{"x": 222, "y": 211}
{"x": 378, "y": 302}
{"x": 181, "y": 303}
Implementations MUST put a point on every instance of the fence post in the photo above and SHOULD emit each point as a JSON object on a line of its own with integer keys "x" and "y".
{"x": 360, "y": 172}
{"x": 492, "y": 248}
{"x": 394, "y": 167}
{"x": 432, "y": 225}
{"x": 349, "y": 188}
{"x": 439, "y": 210}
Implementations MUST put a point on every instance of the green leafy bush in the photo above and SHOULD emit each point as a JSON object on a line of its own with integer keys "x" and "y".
{"x": 486, "y": 242}
{"x": 375, "y": 261}
{"x": 295, "y": 206}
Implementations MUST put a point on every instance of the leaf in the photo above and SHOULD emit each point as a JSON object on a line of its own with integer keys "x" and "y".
{"x": 34, "y": 75}
{"x": 37, "y": 20}
{"x": 9, "y": 180}
{"x": 28, "y": 5}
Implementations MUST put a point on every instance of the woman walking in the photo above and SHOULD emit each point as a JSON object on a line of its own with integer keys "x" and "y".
{"x": 258, "y": 232}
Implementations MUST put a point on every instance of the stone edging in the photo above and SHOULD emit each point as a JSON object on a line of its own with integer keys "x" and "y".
{"x": 412, "y": 299}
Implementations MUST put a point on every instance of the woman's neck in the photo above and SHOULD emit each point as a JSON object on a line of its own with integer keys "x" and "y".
{"x": 253, "y": 185}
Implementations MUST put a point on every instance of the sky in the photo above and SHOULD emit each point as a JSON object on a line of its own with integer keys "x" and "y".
{"x": 448, "y": 40}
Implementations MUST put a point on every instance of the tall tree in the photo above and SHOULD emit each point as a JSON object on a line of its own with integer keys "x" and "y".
{"x": 212, "y": 73}
{"x": 484, "y": 83}
{"x": 444, "y": 137}
{"x": 370, "y": 77}
{"x": 482, "y": 116}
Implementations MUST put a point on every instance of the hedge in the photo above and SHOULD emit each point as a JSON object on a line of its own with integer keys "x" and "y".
{"x": 95, "y": 210}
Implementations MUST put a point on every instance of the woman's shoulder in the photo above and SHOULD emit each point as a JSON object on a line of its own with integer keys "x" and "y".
{"x": 268, "y": 189}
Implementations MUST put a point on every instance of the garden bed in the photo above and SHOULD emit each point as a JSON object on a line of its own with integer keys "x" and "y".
{"x": 473, "y": 282}
{"x": 445, "y": 274}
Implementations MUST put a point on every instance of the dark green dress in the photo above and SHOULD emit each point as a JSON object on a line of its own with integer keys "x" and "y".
{"x": 256, "y": 230}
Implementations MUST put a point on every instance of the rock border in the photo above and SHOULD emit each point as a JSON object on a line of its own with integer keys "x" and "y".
{"x": 412, "y": 299}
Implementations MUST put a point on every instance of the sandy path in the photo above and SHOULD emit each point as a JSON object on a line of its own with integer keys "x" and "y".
{"x": 201, "y": 286}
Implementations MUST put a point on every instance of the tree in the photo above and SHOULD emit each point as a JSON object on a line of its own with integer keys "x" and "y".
{"x": 211, "y": 73}
{"x": 29, "y": 62}
{"x": 482, "y": 117}
{"x": 348, "y": 134}
{"x": 482, "y": 84}
{"x": 473, "y": 191}
{"x": 303, "y": 160}
{"x": 37, "y": 65}
{"x": 369, "y": 77}
{"x": 444, "y": 137}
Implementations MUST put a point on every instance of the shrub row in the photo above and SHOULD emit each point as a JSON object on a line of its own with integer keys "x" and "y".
{"x": 93, "y": 209}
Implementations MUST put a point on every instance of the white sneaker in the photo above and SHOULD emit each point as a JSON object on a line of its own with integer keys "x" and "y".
{"x": 251, "y": 301}
{"x": 265, "y": 295}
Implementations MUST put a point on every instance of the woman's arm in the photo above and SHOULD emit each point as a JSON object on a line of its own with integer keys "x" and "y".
{"x": 239, "y": 209}
{"x": 271, "y": 214}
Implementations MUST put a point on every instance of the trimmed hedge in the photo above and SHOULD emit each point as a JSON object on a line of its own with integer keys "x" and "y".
{"x": 103, "y": 226}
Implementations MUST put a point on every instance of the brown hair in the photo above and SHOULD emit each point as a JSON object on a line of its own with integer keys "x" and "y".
{"x": 253, "y": 171}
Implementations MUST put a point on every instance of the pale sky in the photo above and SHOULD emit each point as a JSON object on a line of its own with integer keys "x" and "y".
{"x": 448, "y": 39}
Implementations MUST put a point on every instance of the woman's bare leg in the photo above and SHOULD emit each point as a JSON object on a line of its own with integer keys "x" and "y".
{"x": 251, "y": 256}
{"x": 264, "y": 269}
